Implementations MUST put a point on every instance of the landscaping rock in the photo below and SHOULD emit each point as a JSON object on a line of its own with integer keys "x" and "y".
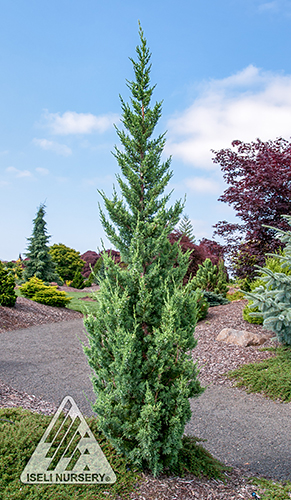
{"x": 242, "y": 337}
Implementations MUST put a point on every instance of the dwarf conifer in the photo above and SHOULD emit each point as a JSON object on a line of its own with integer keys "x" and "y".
{"x": 7, "y": 285}
{"x": 211, "y": 278}
{"x": 143, "y": 333}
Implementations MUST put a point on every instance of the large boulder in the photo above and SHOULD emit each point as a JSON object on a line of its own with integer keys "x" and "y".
{"x": 242, "y": 337}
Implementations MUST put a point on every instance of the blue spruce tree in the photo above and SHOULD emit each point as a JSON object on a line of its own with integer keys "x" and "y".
{"x": 273, "y": 298}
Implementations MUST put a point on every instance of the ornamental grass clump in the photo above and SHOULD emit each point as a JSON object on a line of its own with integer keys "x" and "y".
{"x": 273, "y": 298}
{"x": 143, "y": 334}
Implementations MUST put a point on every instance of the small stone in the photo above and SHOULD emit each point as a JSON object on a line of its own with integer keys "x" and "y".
{"x": 242, "y": 338}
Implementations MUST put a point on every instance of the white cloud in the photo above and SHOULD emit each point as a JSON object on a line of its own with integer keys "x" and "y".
{"x": 268, "y": 6}
{"x": 249, "y": 104}
{"x": 42, "y": 171}
{"x": 276, "y": 6}
{"x": 18, "y": 173}
{"x": 71, "y": 122}
{"x": 59, "y": 149}
{"x": 202, "y": 185}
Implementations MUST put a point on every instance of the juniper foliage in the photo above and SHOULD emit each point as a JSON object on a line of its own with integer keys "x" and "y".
{"x": 142, "y": 335}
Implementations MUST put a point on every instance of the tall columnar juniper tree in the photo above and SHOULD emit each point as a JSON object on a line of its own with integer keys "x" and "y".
{"x": 40, "y": 263}
{"x": 142, "y": 335}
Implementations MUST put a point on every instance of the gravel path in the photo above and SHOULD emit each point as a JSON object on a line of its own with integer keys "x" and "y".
{"x": 242, "y": 430}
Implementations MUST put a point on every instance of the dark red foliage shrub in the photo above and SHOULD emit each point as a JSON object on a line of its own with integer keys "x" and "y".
{"x": 214, "y": 250}
{"x": 206, "y": 249}
{"x": 250, "y": 254}
{"x": 91, "y": 257}
{"x": 259, "y": 175}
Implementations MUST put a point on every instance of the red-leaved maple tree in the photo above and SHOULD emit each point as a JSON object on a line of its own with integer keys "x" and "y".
{"x": 259, "y": 175}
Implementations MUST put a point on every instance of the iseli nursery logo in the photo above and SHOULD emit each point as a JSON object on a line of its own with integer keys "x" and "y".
{"x": 68, "y": 452}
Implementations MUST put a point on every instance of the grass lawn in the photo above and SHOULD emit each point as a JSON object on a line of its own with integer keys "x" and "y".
{"x": 271, "y": 377}
{"x": 79, "y": 304}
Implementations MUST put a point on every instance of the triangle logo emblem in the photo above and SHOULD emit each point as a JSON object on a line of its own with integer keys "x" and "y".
{"x": 68, "y": 452}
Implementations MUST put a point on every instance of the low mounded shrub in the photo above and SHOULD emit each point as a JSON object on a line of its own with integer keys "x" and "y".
{"x": 215, "y": 299}
{"x": 29, "y": 288}
{"x": 51, "y": 297}
{"x": 235, "y": 296}
{"x": 256, "y": 320}
{"x": 36, "y": 290}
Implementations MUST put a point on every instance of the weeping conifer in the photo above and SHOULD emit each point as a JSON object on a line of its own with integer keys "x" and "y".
{"x": 40, "y": 263}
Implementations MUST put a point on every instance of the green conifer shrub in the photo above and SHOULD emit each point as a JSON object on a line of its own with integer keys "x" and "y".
{"x": 215, "y": 299}
{"x": 247, "y": 314}
{"x": 273, "y": 297}
{"x": 40, "y": 263}
{"x": 7, "y": 285}
{"x": 97, "y": 272}
{"x": 15, "y": 268}
{"x": 50, "y": 296}
{"x": 142, "y": 336}
{"x": 186, "y": 228}
{"x": 78, "y": 281}
{"x": 89, "y": 282}
{"x": 201, "y": 304}
{"x": 67, "y": 261}
{"x": 35, "y": 289}
{"x": 31, "y": 286}
{"x": 211, "y": 278}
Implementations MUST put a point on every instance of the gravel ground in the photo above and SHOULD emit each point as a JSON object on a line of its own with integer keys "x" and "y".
{"x": 243, "y": 430}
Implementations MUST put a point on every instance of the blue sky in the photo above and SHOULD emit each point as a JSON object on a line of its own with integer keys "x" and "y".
{"x": 223, "y": 70}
